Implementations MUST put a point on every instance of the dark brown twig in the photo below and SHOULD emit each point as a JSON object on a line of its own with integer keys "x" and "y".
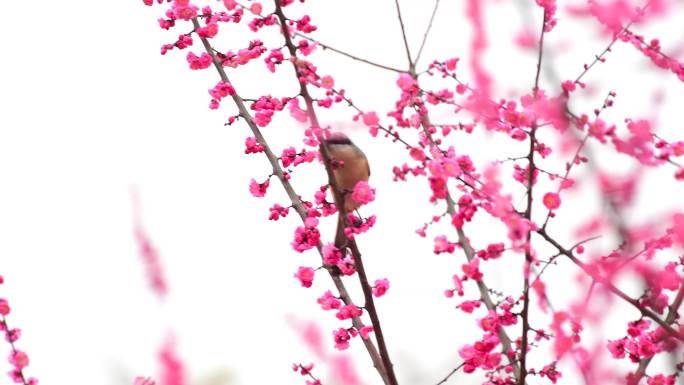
{"x": 339, "y": 202}
{"x": 427, "y": 32}
{"x": 528, "y": 215}
{"x": 403, "y": 35}
{"x": 451, "y": 373}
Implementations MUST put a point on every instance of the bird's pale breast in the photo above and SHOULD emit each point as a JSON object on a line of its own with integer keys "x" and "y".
{"x": 354, "y": 169}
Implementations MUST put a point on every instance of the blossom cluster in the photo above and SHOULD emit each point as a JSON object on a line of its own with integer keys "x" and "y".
{"x": 17, "y": 358}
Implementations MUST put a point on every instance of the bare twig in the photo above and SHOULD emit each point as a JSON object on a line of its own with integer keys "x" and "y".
{"x": 540, "y": 55}
{"x": 451, "y": 373}
{"x": 346, "y": 54}
{"x": 403, "y": 34}
{"x": 427, "y": 32}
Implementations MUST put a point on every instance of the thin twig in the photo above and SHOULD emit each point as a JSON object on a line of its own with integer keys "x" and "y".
{"x": 540, "y": 56}
{"x": 347, "y": 54}
{"x": 607, "y": 49}
{"x": 395, "y": 135}
{"x": 427, "y": 32}
{"x": 567, "y": 173}
{"x": 403, "y": 34}
{"x": 451, "y": 373}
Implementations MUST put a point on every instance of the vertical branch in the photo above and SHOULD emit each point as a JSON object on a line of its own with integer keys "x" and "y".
{"x": 528, "y": 262}
{"x": 468, "y": 250}
{"x": 427, "y": 32}
{"x": 294, "y": 199}
{"x": 339, "y": 202}
{"x": 528, "y": 215}
{"x": 540, "y": 54}
{"x": 403, "y": 35}
{"x": 463, "y": 241}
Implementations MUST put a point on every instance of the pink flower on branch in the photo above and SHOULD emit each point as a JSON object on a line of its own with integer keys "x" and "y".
{"x": 4, "y": 307}
{"x": 549, "y": 7}
{"x": 328, "y": 301}
{"x": 259, "y": 189}
{"x": 381, "y": 286}
{"x": 307, "y": 237}
{"x": 305, "y": 275}
{"x": 358, "y": 225}
{"x": 220, "y": 91}
{"x": 551, "y": 201}
{"x": 184, "y": 10}
{"x": 365, "y": 332}
{"x": 348, "y": 312}
{"x": 363, "y": 193}
{"x": 481, "y": 354}
{"x": 199, "y": 62}
{"x": 341, "y": 337}
{"x": 17, "y": 358}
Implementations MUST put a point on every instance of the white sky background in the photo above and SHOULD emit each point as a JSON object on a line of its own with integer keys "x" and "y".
{"x": 88, "y": 108}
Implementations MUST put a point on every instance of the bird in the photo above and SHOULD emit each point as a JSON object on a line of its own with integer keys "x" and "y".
{"x": 351, "y": 167}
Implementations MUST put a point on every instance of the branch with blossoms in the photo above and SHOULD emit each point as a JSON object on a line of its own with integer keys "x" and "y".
{"x": 303, "y": 240}
{"x": 671, "y": 317}
{"x": 17, "y": 358}
{"x": 414, "y": 97}
{"x": 468, "y": 190}
{"x": 302, "y": 71}
{"x": 305, "y": 370}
